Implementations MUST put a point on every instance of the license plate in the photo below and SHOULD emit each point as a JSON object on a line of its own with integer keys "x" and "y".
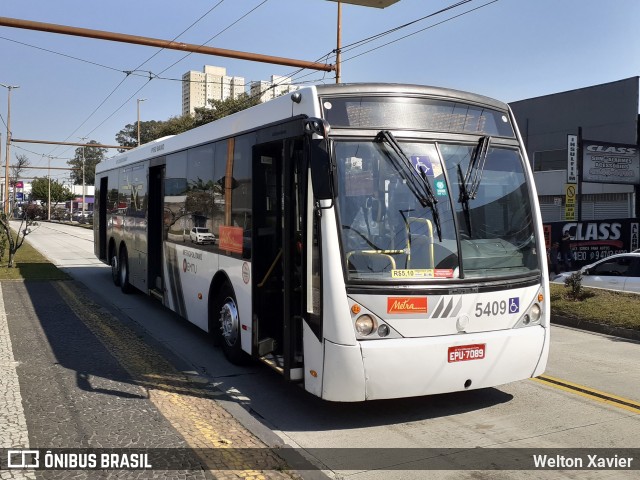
{"x": 462, "y": 353}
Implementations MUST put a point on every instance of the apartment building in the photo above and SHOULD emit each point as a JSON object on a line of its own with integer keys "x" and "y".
{"x": 212, "y": 83}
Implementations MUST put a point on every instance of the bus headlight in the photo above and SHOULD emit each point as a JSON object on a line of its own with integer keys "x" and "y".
{"x": 535, "y": 313}
{"x": 365, "y": 324}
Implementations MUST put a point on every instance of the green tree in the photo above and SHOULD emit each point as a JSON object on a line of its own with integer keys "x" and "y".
{"x": 222, "y": 108}
{"x": 128, "y": 136}
{"x": 40, "y": 191}
{"x": 92, "y": 156}
{"x": 174, "y": 126}
{"x": 154, "y": 129}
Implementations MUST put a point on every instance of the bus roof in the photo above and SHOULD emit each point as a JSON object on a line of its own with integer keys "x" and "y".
{"x": 279, "y": 109}
{"x": 409, "y": 90}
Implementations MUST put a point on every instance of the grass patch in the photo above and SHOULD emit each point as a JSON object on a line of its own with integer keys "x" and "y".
{"x": 30, "y": 265}
{"x": 598, "y": 306}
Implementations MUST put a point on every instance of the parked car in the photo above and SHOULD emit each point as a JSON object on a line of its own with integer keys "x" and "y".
{"x": 618, "y": 272}
{"x": 201, "y": 235}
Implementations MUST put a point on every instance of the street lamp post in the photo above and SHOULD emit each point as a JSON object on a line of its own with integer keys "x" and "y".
{"x": 139, "y": 100}
{"x": 8, "y": 155}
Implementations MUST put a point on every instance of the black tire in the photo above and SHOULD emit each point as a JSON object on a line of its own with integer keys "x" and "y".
{"x": 227, "y": 322}
{"x": 115, "y": 269}
{"x": 125, "y": 286}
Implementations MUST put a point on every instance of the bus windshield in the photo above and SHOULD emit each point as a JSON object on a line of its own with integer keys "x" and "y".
{"x": 477, "y": 223}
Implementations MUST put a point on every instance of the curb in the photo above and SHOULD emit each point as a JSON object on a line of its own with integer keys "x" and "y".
{"x": 621, "y": 332}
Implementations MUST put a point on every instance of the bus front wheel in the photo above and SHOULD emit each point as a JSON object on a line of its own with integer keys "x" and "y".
{"x": 229, "y": 325}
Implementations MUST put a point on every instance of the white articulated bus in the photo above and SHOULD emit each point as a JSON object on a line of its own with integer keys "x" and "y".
{"x": 369, "y": 241}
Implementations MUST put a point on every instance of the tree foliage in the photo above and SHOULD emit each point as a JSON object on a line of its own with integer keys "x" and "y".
{"x": 17, "y": 168}
{"x": 221, "y": 108}
{"x": 152, "y": 130}
{"x": 174, "y": 126}
{"x": 128, "y": 136}
{"x": 40, "y": 191}
{"x": 90, "y": 156}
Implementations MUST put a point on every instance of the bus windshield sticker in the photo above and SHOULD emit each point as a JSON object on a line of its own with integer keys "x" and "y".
{"x": 441, "y": 188}
{"x": 413, "y": 273}
{"x": 443, "y": 273}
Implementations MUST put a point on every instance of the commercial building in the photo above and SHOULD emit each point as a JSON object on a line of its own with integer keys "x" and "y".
{"x": 212, "y": 83}
{"x": 605, "y": 113}
{"x": 583, "y": 149}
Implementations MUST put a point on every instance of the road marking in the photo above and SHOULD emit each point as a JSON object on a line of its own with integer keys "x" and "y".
{"x": 590, "y": 393}
{"x": 13, "y": 424}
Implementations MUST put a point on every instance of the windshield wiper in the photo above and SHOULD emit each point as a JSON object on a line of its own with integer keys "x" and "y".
{"x": 471, "y": 182}
{"x": 464, "y": 199}
{"x": 416, "y": 182}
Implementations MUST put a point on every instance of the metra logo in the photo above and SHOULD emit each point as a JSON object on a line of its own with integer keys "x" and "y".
{"x": 406, "y": 304}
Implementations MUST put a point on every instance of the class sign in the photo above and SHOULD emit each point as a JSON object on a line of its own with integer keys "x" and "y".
{"x": 604, "y": 162}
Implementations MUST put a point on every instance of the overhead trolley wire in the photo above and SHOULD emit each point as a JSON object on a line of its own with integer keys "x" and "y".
{"x": 128, "y": 73}
{"x": 419, "y": 31}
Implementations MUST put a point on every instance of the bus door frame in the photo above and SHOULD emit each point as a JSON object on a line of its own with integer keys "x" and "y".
{"x": 155, "y": 227}
{"x": 285, "y": 134}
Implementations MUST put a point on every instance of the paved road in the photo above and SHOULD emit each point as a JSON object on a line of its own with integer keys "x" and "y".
{"x": 525, "y": 414}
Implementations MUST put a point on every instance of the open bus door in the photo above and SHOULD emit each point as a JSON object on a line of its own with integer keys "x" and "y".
{"x": 102, "y": 218}
{"x": 279, "y": 192}
{"x": 155, "y": 231}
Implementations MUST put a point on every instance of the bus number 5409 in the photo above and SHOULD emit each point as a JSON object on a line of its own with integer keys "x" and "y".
{"x": 491, "y": 308}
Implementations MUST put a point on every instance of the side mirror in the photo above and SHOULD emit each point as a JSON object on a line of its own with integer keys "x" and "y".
{"x": 318, "y": 126}
{"x": 322, "y": 168}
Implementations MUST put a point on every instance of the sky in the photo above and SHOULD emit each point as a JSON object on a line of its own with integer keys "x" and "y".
{"x": 72, "y": 87}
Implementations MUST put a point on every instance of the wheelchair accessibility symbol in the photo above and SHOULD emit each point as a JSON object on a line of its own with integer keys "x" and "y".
{"x": 422, "y": 165}
{"x": 514, "y": 305}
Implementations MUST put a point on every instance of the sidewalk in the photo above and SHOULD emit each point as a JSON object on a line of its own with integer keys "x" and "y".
{"x": 74, "y": 375}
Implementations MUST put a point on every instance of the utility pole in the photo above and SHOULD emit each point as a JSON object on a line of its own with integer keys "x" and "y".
{"x": 83, "y": 139}
{"x": 7, "y": 157}
{"x": 49, "y": 194}
{"x": 139, "y": 100}
{"x": 338, "y": 41}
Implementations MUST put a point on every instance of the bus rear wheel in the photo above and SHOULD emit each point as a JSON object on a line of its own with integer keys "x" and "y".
{"x": 125, "y": 286}
{"x": 115, "y": 269}
{"x": 229, "y": 324}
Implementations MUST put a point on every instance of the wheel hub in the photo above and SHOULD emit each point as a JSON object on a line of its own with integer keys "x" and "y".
{"x": 229, "y": 322}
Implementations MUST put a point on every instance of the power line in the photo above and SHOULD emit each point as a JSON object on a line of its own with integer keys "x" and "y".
{"x": 175, "y": 63}
{"x": 421, "y": 30}
{"x": 164, "y": 70}
{"x": 353, "y": 45}
{"x": 127, "y": 75}
{"x": 183, "y": 32}
{"x": 217, "y": 35}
